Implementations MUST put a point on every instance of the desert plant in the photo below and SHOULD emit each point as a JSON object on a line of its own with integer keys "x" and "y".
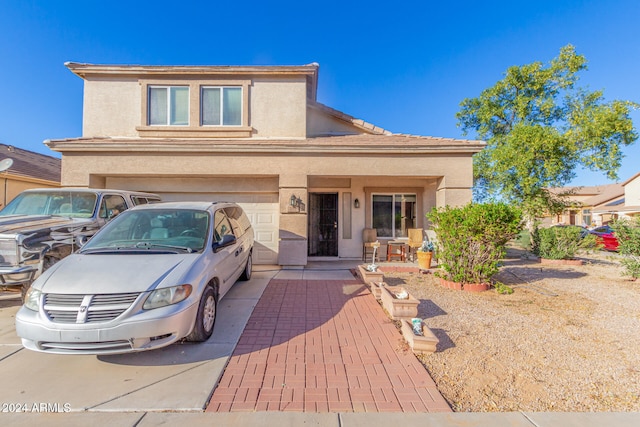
{"x": 472, "y": 238}
{"x": 562, "y": 242}
{"x": 503, "y": 289}
{"x": 627, "y": 232}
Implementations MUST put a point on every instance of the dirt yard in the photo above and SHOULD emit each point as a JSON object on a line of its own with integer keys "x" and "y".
{"x": 567, "y": 339}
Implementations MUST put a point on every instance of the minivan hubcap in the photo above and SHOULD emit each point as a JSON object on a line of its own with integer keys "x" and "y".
{"x": 209, "y": 314}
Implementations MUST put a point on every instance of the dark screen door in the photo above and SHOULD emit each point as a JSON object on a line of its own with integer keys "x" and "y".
{"x": 323, "y": 224}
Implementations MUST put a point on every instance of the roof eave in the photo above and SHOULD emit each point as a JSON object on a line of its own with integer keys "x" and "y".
{"x": 83, "y": 70}
{"x": 293, "y": 146}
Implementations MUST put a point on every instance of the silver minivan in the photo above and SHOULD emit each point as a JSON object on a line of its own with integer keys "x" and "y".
{"x": 150, "y": 277}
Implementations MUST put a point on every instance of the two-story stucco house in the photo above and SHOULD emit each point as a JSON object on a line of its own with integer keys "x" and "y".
{"x": 311, "y": 178}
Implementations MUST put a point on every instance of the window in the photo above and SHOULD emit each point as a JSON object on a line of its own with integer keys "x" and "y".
{"x": 222, "y": 225}
{"x": 168, "y": 105}
{"x": 221, "y": 106}
{"x": 191, "y": 108}
{"x": 393, "y": 214}
{"x": 586, "y": 217}
{"x": 143, "y": 200}
{"x": 112, "y": 205}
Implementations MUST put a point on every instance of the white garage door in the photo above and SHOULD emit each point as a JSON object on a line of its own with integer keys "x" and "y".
{"x": 262, "y": 210}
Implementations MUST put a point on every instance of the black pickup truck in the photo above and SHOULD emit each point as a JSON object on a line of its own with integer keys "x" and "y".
{"x": 41, "y": 226}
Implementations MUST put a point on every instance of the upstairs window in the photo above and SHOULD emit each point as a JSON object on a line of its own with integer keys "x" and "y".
{"x": 221, "y": 106}
{"x": 168, "y": 105}
{"x": 195, "y": 108}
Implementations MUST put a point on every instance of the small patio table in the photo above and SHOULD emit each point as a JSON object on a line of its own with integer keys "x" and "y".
{"x": 396, "y": 249}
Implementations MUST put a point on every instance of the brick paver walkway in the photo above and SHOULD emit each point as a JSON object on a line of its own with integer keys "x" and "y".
{"x": 323, "y": 346}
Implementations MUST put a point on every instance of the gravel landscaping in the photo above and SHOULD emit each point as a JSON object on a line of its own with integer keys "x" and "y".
{"x": 567, "y": 339}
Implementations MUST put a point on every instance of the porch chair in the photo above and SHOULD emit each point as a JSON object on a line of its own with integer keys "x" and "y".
{"x": 415, "y": 241}
{"x": 369, "y": 237}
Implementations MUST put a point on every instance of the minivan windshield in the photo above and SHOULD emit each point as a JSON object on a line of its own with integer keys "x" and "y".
{"x": 141, "y": 230}
{"x": 72, "y": 204}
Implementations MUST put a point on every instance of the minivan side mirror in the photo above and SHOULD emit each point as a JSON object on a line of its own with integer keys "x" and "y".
{"x": 227, "y": 240}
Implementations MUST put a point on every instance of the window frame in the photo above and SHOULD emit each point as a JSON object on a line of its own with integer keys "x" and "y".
{"x": 195, "y": 128}
{"x": 394, "y": 194}
{"x": 222, "y": 103}
{"x": 169, "y": 99}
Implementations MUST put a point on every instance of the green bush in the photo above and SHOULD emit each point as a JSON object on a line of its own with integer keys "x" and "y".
{"x": 472, "y": 238}
{"x": 562, "y": 242}
{"x": 628, "y": 234}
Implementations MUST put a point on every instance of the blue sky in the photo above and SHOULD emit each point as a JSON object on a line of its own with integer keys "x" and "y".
{"x": 404, "y": 66}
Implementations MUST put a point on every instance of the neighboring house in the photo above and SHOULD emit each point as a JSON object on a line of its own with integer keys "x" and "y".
{"x": 28, "y": 170}
{"x": 584, "y": 200}
{"x": 599, "y": 205}
{"x": 626, "y": 206}
{"x": 311, "y": 178}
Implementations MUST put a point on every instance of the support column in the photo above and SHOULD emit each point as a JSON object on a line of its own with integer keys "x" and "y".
{"x": 452, "y": 195}
{"x": 294, "y": 201}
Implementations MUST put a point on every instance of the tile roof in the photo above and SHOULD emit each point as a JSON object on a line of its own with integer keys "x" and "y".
{"x": 607, "y": 192}
{"x": 30, "y": 164}
{"x": 359, "y": 123}
{"x": 598, "y": 193}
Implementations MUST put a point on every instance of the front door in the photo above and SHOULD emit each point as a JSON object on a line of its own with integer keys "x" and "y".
{"x": 323, "y": 224}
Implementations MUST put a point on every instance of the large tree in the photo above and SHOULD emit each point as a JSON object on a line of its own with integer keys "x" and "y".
{"x": 539, "y": 127}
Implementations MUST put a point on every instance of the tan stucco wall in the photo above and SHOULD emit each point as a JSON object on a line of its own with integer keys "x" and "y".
{"x": 632, "y": 192}
{"x": 111, "y": 108}
{"x": 319, "y": 124}
{"x": 456, "y": 171}
{"x": 438, "y": 181}
{"x": 114, "y": 107}
{"x": 278, "y": 108}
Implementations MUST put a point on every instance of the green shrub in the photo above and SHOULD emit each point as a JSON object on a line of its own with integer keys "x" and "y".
{"x": 523, "y": 240}
{"x": 562, "y": 242}
{"x": 628, "y": 234}
{"x": 472, "y": 238}
{"x": 503, "y": 289}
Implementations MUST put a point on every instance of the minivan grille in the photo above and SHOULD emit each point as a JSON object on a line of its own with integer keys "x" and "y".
{"x": 63, "y": 308}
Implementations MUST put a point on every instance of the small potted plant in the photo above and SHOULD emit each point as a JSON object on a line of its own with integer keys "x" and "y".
{"x": 425, "y": 255}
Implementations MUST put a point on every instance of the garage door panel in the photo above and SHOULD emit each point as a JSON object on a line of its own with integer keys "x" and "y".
{"x": 266, "y": 219}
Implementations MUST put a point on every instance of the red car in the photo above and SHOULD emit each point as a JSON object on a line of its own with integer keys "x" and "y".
{"x": 606, "y": 237}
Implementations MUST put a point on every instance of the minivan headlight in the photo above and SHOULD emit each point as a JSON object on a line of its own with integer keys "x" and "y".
{"x": 167, "y": 296}
{"x": 32, "y": 298}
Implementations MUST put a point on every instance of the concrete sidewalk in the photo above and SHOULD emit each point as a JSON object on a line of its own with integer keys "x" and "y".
{"x": 295, "y": 419}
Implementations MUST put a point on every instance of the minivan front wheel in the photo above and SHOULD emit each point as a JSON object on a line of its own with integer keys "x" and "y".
{"x": 206, "y": 317}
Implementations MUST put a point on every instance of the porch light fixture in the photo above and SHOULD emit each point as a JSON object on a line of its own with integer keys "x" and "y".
{"x": 295, "y": 202}
{"x": 356, "y": 203}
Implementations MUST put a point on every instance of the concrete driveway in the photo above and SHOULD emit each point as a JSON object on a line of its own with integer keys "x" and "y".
{"x": 180, "y": 377}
